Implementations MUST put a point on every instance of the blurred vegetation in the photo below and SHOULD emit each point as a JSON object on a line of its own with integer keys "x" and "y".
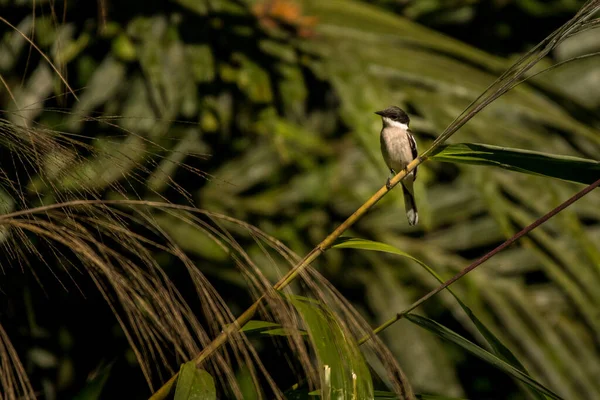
{"x": 498, "y": 26}
{"x": 263, "y": 111}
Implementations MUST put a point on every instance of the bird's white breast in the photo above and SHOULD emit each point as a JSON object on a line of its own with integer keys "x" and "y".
{"x": 395, "y": 146}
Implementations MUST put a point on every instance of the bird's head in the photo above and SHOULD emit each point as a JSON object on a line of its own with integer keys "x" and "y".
{"x": 394, "y": 116}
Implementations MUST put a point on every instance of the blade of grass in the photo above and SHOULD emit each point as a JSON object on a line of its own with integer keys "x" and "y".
{"x": 530, "y": 162}
{"x": 477, "y": 351}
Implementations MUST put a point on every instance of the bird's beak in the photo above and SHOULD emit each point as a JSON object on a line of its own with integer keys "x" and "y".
{"x": 379, "y": 113}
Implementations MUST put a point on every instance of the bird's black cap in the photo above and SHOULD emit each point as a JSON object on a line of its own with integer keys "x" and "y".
{"x": 395, "y": 114}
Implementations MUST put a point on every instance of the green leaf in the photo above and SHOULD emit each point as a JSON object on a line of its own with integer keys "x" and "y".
{"x": 343, "y": 370}
{"x": 270, "y": 328}
{"x": 282, "y": 332}
{"x": 247, "y": 384}
{"x": 255, "y": 325}
{"x": 194, "y": 384}
{"x": 364, "y": 244}
{"x": 479, "y": 352}
{"x": 498, "y": 348}
{"x": 530, "y": 162}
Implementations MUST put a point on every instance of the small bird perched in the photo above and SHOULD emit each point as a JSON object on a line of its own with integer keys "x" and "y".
{"x": 399, "y": 148}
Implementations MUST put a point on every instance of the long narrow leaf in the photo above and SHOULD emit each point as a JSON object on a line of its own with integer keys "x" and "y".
{"x": 568, "y": 168}
{"x": 479, "y": 352}
{"x": 498, "y": 348}
{"x": 255, "y": 325}
{"x": 269, "y": 328}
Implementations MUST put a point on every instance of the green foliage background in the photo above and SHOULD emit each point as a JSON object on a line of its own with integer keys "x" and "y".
{"x": 275, "y": 107}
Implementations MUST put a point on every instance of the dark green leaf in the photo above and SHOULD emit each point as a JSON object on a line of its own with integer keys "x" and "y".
{"x": 479, "y": 352}
{"x": 530, "y": 162}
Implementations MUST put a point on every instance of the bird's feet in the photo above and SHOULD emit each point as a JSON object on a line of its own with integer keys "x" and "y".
{"x": 388, "y": 184}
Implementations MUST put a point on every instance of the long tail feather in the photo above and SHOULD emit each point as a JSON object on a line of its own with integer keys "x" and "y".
{"x": 410, "y": 205}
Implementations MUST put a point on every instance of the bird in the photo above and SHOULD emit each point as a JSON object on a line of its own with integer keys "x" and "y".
{"x": 399, "y": 148}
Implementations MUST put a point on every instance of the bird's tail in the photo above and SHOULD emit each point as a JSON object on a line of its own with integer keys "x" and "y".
{"x": 409, "y": 203}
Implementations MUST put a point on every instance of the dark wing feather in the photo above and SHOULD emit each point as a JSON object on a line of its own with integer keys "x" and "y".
{"x": 413, "y": 148}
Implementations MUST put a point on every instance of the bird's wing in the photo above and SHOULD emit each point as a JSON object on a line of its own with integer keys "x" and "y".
{"x": 413, "y": 148}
